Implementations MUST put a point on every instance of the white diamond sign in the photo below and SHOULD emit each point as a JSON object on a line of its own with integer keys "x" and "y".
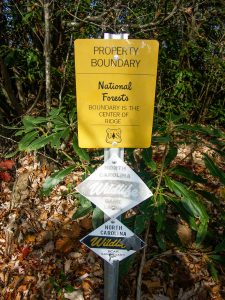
{"x": 114, "y": 187}
{"x": 113, "y": 241}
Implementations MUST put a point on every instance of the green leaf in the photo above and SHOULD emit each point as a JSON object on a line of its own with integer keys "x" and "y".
{"x": 202, "y": 129}
{"x": 83, "y": 155}
{"x": 53, "y": 180}
{"x": 183, "y": 212}
{"x": 54, "y": 112}
{"x": 188, "y": 174}
{"x": 201, "y": 233}
{"x": 213, "y": 169}
{"x": 97, "y": 217}
{"x": 26, "y": 140}
{"x": 140, "y": 224}
{"x": 84, "y": 202}
{"x": 39, "y": 142}
{"x": 161, "y": 139}
{"x": 19, "y": 132}
{"x": 220, "y": 247}
{"x": 81, "y": 212}
{"x": 160, "y": 237}
{"x": 69, "y": 288}
{"x": 31, "y": 122}
{"x": 218, "y": 258}
{"x": 172, "y": 153}
{"x": 56, "y": 138}
{"x": 146, "y": 207}
{"x": 147, "y": 156}
{"x": 11, "y": 154}
{"x": 188, "y": 199}
{"x": 159, "y": 215}
{"x": 212, "y": 270}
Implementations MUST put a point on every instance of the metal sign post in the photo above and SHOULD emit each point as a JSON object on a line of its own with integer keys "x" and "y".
{"x": 116, "y": 111}
{"x": 111, "y": 271}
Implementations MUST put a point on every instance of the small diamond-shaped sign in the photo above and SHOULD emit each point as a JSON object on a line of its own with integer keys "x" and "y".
{"x": 114, "y": 187}
{"x": 113, "y": 241}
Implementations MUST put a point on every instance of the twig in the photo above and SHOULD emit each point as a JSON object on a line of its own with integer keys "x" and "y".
{"x": 36, "y": 100}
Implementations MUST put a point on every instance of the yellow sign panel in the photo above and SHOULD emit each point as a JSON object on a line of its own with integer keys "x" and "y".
{"x": 115, "y": 85}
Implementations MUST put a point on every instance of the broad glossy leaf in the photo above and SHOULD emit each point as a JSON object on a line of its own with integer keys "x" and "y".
{"x": 188, "y": 174}
{"x": 9, "y": 155}
{"x": 213, "y": 169}
{"x": 218, "y": 258}
{"x": 97, "y": 217}
{"x": 172, "y": 153}
{"x": 53, "y": 180}
{"x": 160, "y": 237}
{"x": 159, "y": 215}
{"x": 32, "y": 122}
{"x": 26, "y": 140}
{"x": 161, "y": 139}
{"x": 202, "y": 129}
{"x": 184, "y": 214}
{"x": 201, "y": 233}
{"x": 56, "y": 138}
{"x": 188, "y": 199}
{"x": 39, "y": 142}
{"x": 54, "y": 112}
{"x": 212, "y": 270}
{"x": 83, "y": 155}
{"x": 140, "y": 224}
{"x": 220, "y": 247}
{"x": 84, "y": 202}
{"x": 81, "y": 212}
{"x": 19, "y": 132}
{"x": 147, "y": 156}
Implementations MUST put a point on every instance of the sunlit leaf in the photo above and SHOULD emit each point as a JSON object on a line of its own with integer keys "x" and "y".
{"x": 213, "y": 271}
{"x": 83, "y": 155}
{"x": 140, "y": 224}
{"x": 53, "y": 180}
{"x": 97, "y": 217}
{"x": 161, "y": 139}
{"x": 26, "y": 140}
{"x": 172, "y": 153}
{"x": 188, "y": 174}
{"x": 81, "y": 212}
{"x": 213, "y": 169}
{"x": 147, "y": 156}
{"x": 40, "y": 142}
{"x": 201, "y": 233}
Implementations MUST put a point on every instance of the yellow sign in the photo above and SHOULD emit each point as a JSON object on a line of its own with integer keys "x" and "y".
{"x": 115, "y": 85}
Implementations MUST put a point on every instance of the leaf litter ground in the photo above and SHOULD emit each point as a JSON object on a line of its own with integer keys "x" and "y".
{"x": 41, "y": 256}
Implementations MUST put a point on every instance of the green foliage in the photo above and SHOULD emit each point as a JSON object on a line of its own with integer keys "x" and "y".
{"x": 174, "y": 184}
{"x": 54, "y": 179}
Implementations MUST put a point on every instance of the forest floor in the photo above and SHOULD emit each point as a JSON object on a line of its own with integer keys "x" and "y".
{"x": 41, "y": 256}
